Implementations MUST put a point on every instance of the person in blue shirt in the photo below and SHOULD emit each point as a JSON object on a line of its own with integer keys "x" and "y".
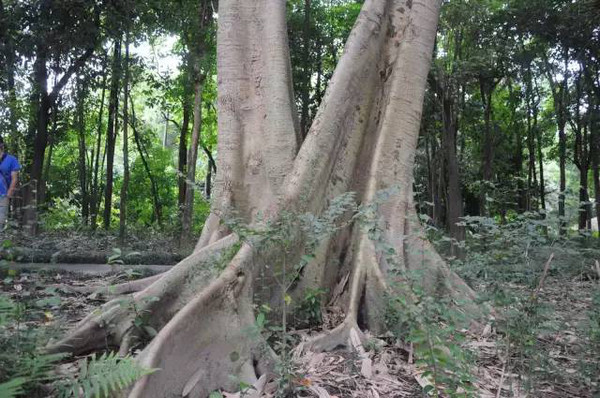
{"x": 9, "y": 176}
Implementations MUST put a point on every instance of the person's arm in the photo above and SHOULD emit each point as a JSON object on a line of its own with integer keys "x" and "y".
{"x": 13, "y": 184}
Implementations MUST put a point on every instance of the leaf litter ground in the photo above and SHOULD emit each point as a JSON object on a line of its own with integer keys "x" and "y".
{"x": 387, "y": 370}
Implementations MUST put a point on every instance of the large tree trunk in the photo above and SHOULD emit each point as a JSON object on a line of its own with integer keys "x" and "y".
{"x": 363, "y": 140}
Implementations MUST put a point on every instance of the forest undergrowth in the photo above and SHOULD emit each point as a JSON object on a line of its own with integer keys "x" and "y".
{"x": 541, "y": 340}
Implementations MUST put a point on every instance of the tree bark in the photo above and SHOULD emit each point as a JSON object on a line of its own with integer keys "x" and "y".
{"x": 363, "y": 140}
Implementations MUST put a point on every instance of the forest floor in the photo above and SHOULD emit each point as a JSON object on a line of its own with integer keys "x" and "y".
{"x": 91, "y": 247}
{"x": 541, "y": 349}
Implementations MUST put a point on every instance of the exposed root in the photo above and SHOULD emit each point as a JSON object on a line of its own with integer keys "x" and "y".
{"x": 113, "y": 290}
{"x": 209, "y": 344}
{"x": 166, "y": 295}
{"x": 131, "y": 286}
{"x": 336, "y": 338}
{"x": 100, "y": 329}
{"x": 126, "y": 343}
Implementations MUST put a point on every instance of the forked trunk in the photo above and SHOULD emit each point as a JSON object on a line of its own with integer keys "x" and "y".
{"x": 363, "y": 140}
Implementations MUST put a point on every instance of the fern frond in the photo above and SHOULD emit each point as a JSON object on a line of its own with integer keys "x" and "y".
{"x": 103, "y": 376}
{"x": 39, "y": 367}
{"x": 13, "y": 388}
{"x": 7, "y": 308}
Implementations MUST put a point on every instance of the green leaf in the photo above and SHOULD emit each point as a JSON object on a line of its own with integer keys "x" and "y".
{"x": 260, "y": 320}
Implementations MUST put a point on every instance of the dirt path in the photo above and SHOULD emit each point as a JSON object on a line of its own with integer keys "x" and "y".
{"x": 88, "y": 269}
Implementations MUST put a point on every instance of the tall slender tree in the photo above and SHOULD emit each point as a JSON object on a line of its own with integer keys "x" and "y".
{"x": 112, "y": 130}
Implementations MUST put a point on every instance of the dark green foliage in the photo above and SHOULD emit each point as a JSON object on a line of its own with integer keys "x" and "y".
{"x": 309, "y": 312}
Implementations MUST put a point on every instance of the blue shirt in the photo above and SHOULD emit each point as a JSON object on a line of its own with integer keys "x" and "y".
{"x": 7, "y": 167}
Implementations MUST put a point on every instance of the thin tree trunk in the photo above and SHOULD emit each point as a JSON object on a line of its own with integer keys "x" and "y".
{"x": 111, "y": 130}
{"x": 42, "y": 109}
{"x": 562, "y": 155}
{"x": 455, "y": 201}
{"x": 430, "y": 177}
{"x": 518, "y": 143}
{"x": 211, "y": 168}
{"x": 83, "y": 184}
{"x": 42, "y": 197}
{"x": 182, "y": 158}
{"x": 594, "y": 122}
{"x": 192, "y": 157}
{"x": 143, "y": 155}
{"x": 531, "y": 111}
{"x": 560, "y": 95}
{"x": 487, "y": 87}
{"x": 9, "y": 69}
{"x": 540, "y": 146}
{"x": 208, "y": 181}
{"x": 318, "y": 90}
{"x": 125, "y": 186}
{"x": 306, "y": 84}
{"x": 95, "y": 191}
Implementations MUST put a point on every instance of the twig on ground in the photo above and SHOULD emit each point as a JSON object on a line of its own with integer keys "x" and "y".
{"x": 544, "y": 274}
